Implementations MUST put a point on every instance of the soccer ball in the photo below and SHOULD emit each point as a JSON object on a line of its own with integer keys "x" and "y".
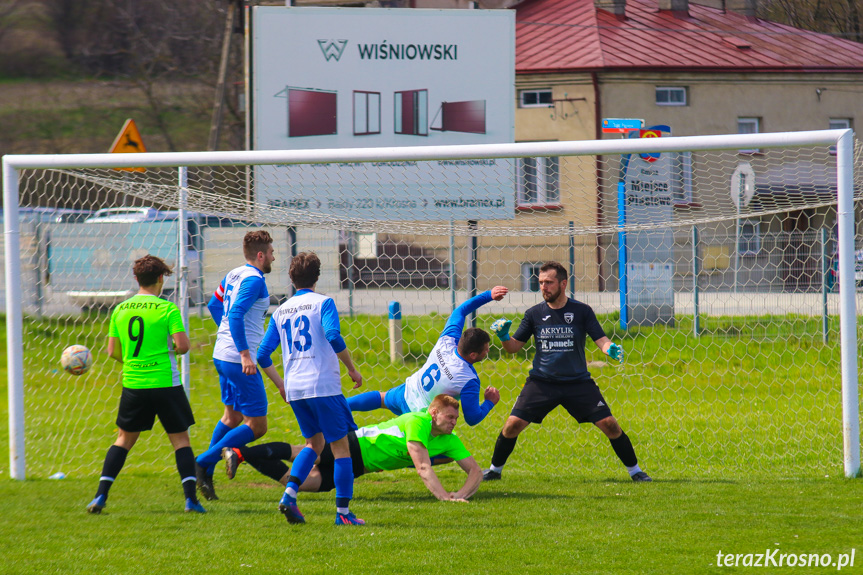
{"x": 76, "y": 359}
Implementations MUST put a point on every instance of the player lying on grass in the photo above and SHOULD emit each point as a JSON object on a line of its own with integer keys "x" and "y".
{"x": 412, "y": 439}
{"x": 448, "y": 370}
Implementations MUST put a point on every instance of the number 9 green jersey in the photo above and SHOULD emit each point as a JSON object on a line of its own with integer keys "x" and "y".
{"x": 144, "y": 325}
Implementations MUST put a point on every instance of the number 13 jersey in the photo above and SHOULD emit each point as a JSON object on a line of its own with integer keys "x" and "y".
{"x": 311, "y": 366}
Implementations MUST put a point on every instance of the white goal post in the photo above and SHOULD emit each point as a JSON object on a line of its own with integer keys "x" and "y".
{"x": 842, "y": 140}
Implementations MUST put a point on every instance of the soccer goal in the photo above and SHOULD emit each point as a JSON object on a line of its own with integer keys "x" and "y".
{"x": 726, "y": 266}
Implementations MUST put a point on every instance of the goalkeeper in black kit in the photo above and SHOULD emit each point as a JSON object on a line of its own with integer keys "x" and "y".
{"x": 559, "y": 375}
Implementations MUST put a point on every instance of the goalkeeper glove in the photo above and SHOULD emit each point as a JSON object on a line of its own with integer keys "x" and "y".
{"x": 615, "y": 352}
{"x": 501, "y": 329}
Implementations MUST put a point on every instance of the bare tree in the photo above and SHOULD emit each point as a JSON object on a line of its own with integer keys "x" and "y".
{"x": 155, "y": 44}
{"x": 8, "y": 12}
{"x": 837, "y": 17}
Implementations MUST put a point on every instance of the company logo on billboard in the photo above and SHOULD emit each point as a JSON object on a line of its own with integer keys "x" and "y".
{"x": 332, "y": 48}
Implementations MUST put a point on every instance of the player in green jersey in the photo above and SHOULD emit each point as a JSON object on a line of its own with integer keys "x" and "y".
{"x": 412, "y": 439}
{"x": 145, "y": 335}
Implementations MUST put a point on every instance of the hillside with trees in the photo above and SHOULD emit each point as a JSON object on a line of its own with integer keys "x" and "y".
{"x": 71, "y": 72}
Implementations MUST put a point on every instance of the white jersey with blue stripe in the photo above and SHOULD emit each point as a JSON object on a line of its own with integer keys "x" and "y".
{"x": 242, "y": 290}
{"x": 444, "y": 372}
{"x": 311, "y": 366}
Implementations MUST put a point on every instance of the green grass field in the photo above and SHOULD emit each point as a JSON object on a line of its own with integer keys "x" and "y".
{"x": 741, "y": 429}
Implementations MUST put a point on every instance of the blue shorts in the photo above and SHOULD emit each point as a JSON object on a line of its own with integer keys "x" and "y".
{"x": 244, "y": 393}
{"x": 328, "y": 415}
{"x": 394, "y": 400}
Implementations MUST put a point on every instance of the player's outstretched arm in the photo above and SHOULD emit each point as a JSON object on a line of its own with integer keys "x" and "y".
{"x": 474, "y": 478}
{"x": 455, "y": 323}
{"x": 422, "y": 463}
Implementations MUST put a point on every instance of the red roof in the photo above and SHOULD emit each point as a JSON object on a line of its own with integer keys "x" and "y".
{"x": 573, "y": 35}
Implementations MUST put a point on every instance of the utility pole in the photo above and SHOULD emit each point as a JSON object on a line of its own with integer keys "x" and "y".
{"x": 219, "y": 105}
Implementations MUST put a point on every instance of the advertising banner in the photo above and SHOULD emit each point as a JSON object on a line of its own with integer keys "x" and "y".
{"x": 327, "y": 78}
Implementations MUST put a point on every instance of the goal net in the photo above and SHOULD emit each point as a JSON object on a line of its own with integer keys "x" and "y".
{"x": 713, "y": 261}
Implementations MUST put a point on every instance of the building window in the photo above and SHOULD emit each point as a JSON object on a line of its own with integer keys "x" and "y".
{"x": 749, "y": 126}
{"x": 530, "y": 277}
{"x": 681, "y": 177}
{"x": 535, "y": 99}
{"x": 749, "y": 243}
{"x": 838, "y": 124}
{"x": 538, "y": 182}
{"x": 671, "y": 96}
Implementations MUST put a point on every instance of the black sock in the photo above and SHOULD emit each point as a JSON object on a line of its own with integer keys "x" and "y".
{"x": 186, "y": 466}
{"x": 114, "y": 461}
{"x": 502, "y": 449}
{"x": 272, "y": 450}
{"x": 623, "y": 448}
{"x": 268, "y": 458}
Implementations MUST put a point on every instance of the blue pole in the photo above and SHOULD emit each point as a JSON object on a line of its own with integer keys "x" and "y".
{"x": 621, "y": 241}
{"x": 621, "y": 250}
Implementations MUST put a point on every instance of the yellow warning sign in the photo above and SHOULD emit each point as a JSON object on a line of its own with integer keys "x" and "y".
{"x": 128, "y": 141}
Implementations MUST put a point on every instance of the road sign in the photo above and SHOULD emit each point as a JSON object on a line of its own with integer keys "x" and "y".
{"x": 621, "y": 125}
{"x": 653, "y": 132}
{"x": 128, "y": 141}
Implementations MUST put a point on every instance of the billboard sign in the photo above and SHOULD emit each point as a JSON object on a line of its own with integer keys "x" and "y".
{"x": 648, "y": 186}
{"x": 326, "y": 78}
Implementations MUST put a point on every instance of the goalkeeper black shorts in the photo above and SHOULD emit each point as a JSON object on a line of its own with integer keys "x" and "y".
{"x": 582, "y": 400}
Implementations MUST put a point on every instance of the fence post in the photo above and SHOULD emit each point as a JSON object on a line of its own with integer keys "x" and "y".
{"x": 452, "y": 279}
{"x": 350, "y": 266}
{"x": 696, "y": 327}
{"x": 292, "y": 240}
{"x": 473, "y": 267}
{"x": 825, "y": 326}
{"x": 395, "y": 328}
{"x": 572, "y": 259}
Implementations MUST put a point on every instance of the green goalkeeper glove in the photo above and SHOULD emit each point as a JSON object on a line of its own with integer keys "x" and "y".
{"x": 615, "y": 352}
{"x": 501, "y": 329}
